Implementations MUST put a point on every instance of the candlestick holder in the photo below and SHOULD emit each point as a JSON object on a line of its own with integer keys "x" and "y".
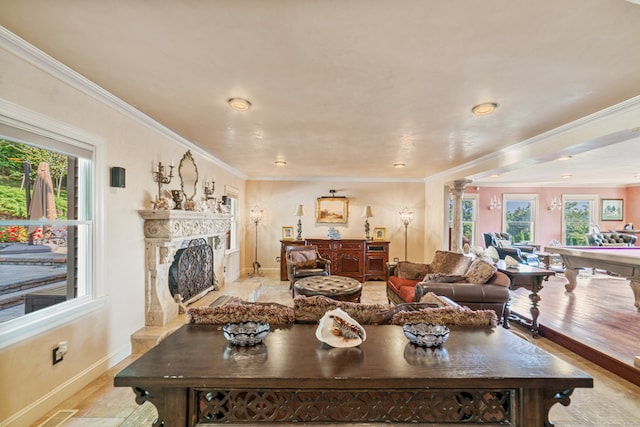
{"x": 160, "y": 177}
{"x": 209, "y": 188}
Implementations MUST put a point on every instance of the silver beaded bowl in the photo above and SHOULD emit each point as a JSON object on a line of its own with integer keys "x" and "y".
{"x": 426, "y": 334}
{"x": 245, "y": 333}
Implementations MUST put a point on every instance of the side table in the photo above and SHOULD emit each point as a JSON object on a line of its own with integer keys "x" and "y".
{"x": 525, "y": 276}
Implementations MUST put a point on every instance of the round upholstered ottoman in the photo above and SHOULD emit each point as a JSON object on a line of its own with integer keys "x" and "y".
{"x": 335, "y": 287}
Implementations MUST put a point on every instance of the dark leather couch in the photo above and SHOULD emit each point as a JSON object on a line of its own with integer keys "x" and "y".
{"x": 525, "y": 254}
{"x": 612, "y": 238}
{"x": 491, "y": 295}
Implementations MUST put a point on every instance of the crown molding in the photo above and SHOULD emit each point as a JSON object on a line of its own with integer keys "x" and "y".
{"x": 31, "y": 54}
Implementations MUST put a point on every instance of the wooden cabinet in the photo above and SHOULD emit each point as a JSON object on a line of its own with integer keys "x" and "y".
{"x": 356, "y": 258}
{"x": 375, "y": 260}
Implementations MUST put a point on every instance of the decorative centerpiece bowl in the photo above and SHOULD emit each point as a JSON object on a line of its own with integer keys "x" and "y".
{"x": 246, "y": 333}
{"x": 426, "y": 334}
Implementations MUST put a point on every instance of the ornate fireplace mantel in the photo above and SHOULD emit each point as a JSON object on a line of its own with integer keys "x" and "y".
{"x": 166, "y": 231}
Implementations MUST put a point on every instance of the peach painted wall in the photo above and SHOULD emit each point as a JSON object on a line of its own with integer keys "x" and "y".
{"x": 632, "y": 207}
{"x": 550, "y": 222}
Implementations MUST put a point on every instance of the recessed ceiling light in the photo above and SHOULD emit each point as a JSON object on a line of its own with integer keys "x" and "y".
{"x": 495, "y": 175}
{"x": 239, "y": 104}
{"x": 484, "y": 109}
{"x": 280, "y": 163}
{"x": 566, "y": 175}
{"x": 563, "y": 158}
{"x": 399, "y": 165}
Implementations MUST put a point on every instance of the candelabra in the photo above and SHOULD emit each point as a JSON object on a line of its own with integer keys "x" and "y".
{"x": 255, "y": 215}
{"x": 366, "y": 213}
{"x": 405, "y": 216}
{"x": 299, "y": 214}
{"x": 209, "y": 188}
{"x": 160, "y": 177}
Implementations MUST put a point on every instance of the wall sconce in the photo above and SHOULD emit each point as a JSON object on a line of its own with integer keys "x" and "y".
{"x": 494, "y": 203}
{"x": 299, "y": 213}
{"x": 160, "y": 177}
{"x": 366, "y": 213}
{"x": 405, "y": 216}
{"x": 255, "y": 214}
{"x": 555, "y": 204}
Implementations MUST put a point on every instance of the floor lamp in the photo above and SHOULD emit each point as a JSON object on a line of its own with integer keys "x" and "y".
{"x": 255, "y": 215}
{"x": 406, "y": 216}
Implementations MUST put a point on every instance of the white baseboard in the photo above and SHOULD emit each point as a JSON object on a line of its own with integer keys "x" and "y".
{"x": 48, "y": 402}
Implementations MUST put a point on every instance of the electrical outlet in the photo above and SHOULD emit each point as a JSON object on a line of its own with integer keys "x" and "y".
{"x": 57, "y": 355}
{"x": 277, "y": 259}
{"x": 396, "y": 259}
{"x": 59, "y": 352}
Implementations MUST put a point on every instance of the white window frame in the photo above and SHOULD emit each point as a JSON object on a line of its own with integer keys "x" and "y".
{"x": 533, "y": 198}
{"x": 474, "y": 222}
{"x": 232, "y": 193}
{"x": 24, "y": 125}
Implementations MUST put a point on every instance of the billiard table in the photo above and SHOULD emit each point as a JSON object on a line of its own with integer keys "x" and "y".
{"x": 623, "y": 260}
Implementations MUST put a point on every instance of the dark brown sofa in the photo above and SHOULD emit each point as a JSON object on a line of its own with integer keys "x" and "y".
{"x": 472, "y": 283}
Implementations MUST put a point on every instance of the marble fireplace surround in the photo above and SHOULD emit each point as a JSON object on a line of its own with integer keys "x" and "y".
{"x": 166, "y": 231}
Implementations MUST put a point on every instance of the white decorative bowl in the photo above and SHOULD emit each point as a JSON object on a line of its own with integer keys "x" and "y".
{"x": 246, "y": 333}
{"x": 426, "y": 334}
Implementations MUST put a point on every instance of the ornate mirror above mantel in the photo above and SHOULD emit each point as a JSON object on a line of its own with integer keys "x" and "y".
{"x": 188, "y": 172}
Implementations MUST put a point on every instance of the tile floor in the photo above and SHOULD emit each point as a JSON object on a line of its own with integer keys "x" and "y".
{"x": 612, "y": 402}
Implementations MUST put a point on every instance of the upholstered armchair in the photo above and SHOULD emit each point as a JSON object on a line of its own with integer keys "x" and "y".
{"x": 305, "y": 261}
{"x": 611, "y": 239}
{"x": 503, "y": 243}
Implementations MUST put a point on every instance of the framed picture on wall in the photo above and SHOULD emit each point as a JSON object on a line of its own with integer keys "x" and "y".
{"x": 287, "y": 232}
{"x": 333, "y": 210}
{"x": 379, "y": 233}
{"x": 611, "y": 210}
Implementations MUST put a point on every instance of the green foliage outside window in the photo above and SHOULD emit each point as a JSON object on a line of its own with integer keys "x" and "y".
{"x": 576, "y": 217}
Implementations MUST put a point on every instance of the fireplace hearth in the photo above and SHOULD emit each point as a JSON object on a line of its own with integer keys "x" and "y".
{"x": 165, "y": 233}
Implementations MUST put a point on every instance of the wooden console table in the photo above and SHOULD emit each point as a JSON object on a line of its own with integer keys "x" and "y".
{"x": 359, "y": 259}
{"x": 480, "y": 376}
{"x": 531, "y": 278}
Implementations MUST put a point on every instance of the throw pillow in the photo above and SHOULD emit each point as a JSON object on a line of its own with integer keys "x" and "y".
{"x": 412, "y": 270}
{"x": 304, "y": 259}
{"x": 452, "y": 263}
{"x": 444, "y": 278}
{"x": 480, "y": 271}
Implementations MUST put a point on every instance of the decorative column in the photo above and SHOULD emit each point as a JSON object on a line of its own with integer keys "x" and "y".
{"x": 456, "y": 189}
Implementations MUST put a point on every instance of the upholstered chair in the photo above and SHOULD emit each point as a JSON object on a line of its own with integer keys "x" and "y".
{"x": 305, "y": 261}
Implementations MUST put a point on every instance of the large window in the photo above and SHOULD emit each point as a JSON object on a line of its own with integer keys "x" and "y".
{"x": 232, "y": 234}
{"x": 469, "y": 218}
{"x": 520, "y": 216}
{"x": 578, "y": 213}
{"x": 47, "y": 228}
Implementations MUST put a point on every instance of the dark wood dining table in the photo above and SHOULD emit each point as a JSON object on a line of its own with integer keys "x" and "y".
{"x": 479, "y": 376}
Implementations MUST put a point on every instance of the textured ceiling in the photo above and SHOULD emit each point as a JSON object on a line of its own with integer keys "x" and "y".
{"x": 345, "y": 89}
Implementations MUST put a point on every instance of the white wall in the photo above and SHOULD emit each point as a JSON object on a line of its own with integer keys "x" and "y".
{"x": 280, "y": 198}
{"x": 101, "y": 339}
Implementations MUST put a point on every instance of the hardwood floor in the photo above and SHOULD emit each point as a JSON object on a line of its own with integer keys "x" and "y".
{"x": 598, "y": 320}
{"x": 612, "y": 402}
